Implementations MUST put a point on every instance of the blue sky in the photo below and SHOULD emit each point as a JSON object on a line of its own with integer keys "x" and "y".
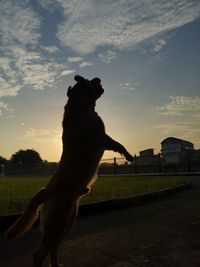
{"x": 145, "y": 52}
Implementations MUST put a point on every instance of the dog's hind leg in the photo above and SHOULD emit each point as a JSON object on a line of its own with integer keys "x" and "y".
{"x": 70, "y": 223}
{"x": 54, "y": 257}
{"x": 57, "y": 217}
{"x": 111, "y": 144}
{"x": 41, "y": 254}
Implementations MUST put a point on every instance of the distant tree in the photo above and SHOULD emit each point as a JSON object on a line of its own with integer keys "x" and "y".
{"x": 26, "y": 156}
{"x": 3, "y": 160}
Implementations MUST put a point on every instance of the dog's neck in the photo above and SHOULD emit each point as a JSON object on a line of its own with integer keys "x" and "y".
{"x": 78, "y": 109}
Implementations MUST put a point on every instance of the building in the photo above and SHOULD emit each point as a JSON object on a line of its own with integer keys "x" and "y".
{"x": 147, "y": 152}
{"x": 147, "y": 157}
{"x": 173, "y": 149}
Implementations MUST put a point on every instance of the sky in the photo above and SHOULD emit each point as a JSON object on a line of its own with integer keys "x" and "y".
{"x": 145, "y": 52}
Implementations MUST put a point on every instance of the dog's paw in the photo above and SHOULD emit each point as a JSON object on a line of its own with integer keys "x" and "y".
{"x": 56, "y": 265}
{"x": 129, "y": 157}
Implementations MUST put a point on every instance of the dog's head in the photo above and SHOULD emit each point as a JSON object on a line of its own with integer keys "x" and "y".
{"x": 85, "y": 92}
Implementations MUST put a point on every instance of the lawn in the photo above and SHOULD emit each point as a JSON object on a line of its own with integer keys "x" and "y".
{"x": 15, "y": 192}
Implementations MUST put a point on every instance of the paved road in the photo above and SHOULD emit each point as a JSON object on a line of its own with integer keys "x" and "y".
{"x": 160, "y": 234}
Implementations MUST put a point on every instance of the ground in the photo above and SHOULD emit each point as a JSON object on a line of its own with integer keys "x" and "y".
{"x": 159, "y": 234}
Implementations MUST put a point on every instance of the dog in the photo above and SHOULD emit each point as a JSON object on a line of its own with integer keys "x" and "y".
{"x": 84, "y": 142}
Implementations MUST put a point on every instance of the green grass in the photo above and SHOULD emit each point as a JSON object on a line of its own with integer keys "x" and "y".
{"x": 15, "y": 192}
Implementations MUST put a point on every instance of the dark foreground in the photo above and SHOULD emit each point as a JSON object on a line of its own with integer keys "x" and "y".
{"x": 160, "y": 234}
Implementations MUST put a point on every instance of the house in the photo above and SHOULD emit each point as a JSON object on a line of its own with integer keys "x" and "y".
{"x": 147, "y": 157}
{"x": 173, "y": 149}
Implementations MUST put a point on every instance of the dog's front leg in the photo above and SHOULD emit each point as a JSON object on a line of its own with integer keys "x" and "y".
{"x": 110, "y": 144}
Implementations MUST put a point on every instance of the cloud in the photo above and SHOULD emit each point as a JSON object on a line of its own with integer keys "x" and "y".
{"x": 66, "y": 73}
{"x": 108, "y": 56}
{"x": 19, "y": 23}
{"x": 9, "y": 80}
{"x": 4, "y": 106}
{"x": 122, "y": 24}
{"x": 32, "y": 69}
{"x": 24, "y": 67}
{"x": 29, "y": 68}
{"x": 19, "y": 27}
{"x": 84, "y": 27}
{"x": 49, "y": 49}
{"x": 23, "y": 61}
{"x": 41, "y": 135}
{"x": 174, "y": 127}
{"x": 159, "y": 45}
{"x": 49, "y": 5}
{"x": 75, "y": 59}
{"x": 85, "y": 64}
{"x": 183, "y": 118}
{"x": 157, "y": 58}
{"x": 179, "y": 105}
{"x": 9, "y": 88}
{"x": 128, "y": 85}
{"x": 189, "y": 130}
{"x": 82, "y": 63}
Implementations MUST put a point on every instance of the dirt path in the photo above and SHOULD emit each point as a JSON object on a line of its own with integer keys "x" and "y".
{"x": 159, "y": 234}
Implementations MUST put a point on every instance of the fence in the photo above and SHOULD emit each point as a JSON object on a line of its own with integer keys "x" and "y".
{"x": 23, "y": 169}
{"x": 120, "y": 166}
{"x": 107, "y": 166}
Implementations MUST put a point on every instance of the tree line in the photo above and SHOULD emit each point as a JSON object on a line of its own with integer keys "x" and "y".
{"x": 23, "y": 156}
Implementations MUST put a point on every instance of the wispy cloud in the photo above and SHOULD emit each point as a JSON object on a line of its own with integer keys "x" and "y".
{"x": 66, "y": 73}
{"x": 85, "y": 64}
{"x": 128, "y": 85}
{"x": 75, "y": 59}
{"x": 159, "y": 45}
{"x": 24, "y": 67}
{"x": 24, "y": 62}
{"x": 49, "y": 49}
{"x": 19, "y": 26}
{"x": 189, "y": 130}
{"x": 4, "y": 106}
{"x": 82, "y": 62}
{"x": 19, "y": 23}
{"x": 41, "y": 135}
{"x": 157, "y": 58}
{"x": 174, "y": 127}
{"x": 84, "y": 27}
{"x": 108, "y": 56}
{"x": 121, "y": 24}
{"x": 178, "y": 105}
{"x": 9, "y": 87}
{"x": 49, "y": 5}
{"x": 182, "y": 118}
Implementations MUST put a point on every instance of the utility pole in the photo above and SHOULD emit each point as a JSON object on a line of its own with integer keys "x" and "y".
{"x": 115, "y": 165}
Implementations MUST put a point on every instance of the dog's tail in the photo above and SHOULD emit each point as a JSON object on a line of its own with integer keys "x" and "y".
{"x": 25, "y": 222}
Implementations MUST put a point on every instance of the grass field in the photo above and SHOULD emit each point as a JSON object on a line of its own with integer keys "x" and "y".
{"x": 15, "y": 192}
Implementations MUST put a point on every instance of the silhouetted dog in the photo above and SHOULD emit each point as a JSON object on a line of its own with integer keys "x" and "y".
{"x": 84, "y": 142}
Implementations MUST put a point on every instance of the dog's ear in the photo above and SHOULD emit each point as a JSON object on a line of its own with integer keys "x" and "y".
{"x": 78, "y": 78}
{"x": 69, "y": 91}
{"x": 95, "y": 81}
